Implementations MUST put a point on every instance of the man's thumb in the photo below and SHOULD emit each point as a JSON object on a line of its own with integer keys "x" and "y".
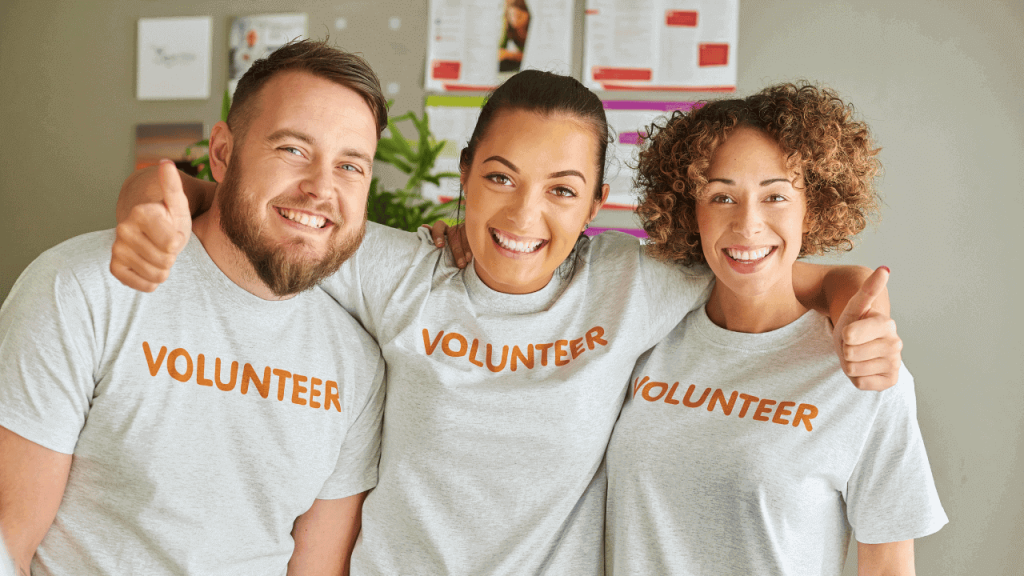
{"x": 173, "y": 194}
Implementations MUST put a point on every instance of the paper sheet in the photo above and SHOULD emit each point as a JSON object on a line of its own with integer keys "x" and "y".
{"x": 174, "y": 58}
{"x": 687, "y": 45}
{"x": 477, "y": 44}
{"x": 452, "y": 118}
{"x": 627, "y": 119}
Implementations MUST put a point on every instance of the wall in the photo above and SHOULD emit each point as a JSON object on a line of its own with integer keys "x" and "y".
{"x": 939, "y": 82}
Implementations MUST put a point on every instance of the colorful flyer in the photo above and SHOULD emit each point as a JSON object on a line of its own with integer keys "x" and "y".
{"x": 681, "y": 45}
{"x": 474, "y": 45}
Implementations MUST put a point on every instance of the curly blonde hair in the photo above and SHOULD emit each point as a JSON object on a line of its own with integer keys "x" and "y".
{"x": 818, "y": 136}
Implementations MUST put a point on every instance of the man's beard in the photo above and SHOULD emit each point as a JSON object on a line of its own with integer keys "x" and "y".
{"x": 282, "y": 267}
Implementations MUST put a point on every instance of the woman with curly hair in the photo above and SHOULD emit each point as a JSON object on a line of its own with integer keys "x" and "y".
{"x": 740, "y": 449}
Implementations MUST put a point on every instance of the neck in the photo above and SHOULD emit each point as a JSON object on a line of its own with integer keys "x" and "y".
{"x": 754, "y": 313}
{"x": 228, "y": 258}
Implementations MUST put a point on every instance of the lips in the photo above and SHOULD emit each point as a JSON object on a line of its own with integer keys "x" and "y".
{"x": 515, "y": 243}
{"x": 304, "y": 218}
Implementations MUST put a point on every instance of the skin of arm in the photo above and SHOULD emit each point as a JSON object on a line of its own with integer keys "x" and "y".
{"x": 324, "y": 536}
{"x": 890, "y": 559}
{"x": 32, "y": 482}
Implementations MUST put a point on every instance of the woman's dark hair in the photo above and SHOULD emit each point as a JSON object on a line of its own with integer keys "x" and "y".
{"x": 546, "y": 94}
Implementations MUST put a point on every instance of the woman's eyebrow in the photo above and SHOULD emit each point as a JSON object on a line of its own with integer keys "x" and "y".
{"x": 576, "y": 173}
{"x": 771, "y": 181}
{"x": 503, "y": 161}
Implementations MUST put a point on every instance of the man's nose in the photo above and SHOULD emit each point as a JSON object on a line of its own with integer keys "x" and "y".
{"x": 318, "y": 181}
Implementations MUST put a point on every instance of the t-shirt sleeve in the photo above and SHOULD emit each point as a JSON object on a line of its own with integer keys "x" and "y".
{"x": 671, "y": 292}
{"x": 891, "y": 494}
{"x": 364, "y": 284}
{"x": 356, "y": 469}
{"x": 47, "y": 355}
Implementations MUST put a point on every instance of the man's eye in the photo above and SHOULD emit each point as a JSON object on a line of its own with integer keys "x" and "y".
{"x": 292, "y": 150}
{"x": 351, "y": 168}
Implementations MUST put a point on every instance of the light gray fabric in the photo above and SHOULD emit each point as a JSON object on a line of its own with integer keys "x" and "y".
{"x": 171, "y": 475}
{"x": 708, "y": 489}
{"x": 490, "y": 463}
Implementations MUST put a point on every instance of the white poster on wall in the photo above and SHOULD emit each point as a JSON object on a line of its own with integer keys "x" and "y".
{"x": 173, "y": 58}
{"x": 477, "y": 44}
{"x": 685, "y": 45}
{"x": 255, "y": 37}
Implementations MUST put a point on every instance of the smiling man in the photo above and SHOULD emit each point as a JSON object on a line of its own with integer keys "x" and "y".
{"x": 212, "y": 426}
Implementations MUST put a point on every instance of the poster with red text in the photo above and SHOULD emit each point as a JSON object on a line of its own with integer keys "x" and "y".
{"x": 475, "y": 45}
{"x": 681, "y": 45}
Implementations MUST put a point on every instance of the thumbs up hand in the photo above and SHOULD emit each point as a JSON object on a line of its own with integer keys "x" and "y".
{"x": 865, "y": 337}
{"x": 154, "y": 233}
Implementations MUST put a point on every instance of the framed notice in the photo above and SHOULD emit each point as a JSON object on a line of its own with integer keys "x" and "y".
{"x": 173, "y": 58}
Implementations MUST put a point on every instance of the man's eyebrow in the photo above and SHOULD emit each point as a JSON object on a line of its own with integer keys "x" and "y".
{"x": 567, "y": 173}
{"x": 503, "y": 161}
{"x": 288, "y": 133}
{"x": 356, "y": 153}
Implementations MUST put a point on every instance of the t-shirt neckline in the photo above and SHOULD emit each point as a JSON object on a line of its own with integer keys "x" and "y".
{"x": 481, "y": 293}
{"x": 774, "y": 339}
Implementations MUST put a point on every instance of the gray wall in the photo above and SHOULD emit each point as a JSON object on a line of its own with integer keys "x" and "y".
{"x": 939, "y": 82}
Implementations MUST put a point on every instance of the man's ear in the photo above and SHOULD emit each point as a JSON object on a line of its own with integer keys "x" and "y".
{"x": 221, "y": 144}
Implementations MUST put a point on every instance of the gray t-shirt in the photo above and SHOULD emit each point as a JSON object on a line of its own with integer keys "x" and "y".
{"x": 500, "y": 406}
{"x": 203, "y": 420}
{"x": 741, "y": 454}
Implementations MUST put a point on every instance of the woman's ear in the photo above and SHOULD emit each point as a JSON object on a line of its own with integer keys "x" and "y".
{"x": 221, "y": 144}
{"x": 598, "y": 204}
{"x": 463, "y": 167}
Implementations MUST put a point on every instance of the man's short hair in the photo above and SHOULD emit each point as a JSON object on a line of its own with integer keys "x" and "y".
{"x": 317, "y": 58}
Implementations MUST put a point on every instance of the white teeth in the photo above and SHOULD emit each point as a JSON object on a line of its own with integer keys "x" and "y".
{"x": 303, "y": 218}
{"x": 748, "y": 255}
{"x": 516, "y": 246}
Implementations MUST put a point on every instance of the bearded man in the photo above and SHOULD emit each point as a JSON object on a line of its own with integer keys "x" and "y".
{"x": 229, "y": 422}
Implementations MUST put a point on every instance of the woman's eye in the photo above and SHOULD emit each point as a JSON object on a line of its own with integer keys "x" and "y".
{"x": 720, "y": 199}
{"x": 776, "y": 198}
{"x": 499, "y": 179}
{"x": 564, "y": 192}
